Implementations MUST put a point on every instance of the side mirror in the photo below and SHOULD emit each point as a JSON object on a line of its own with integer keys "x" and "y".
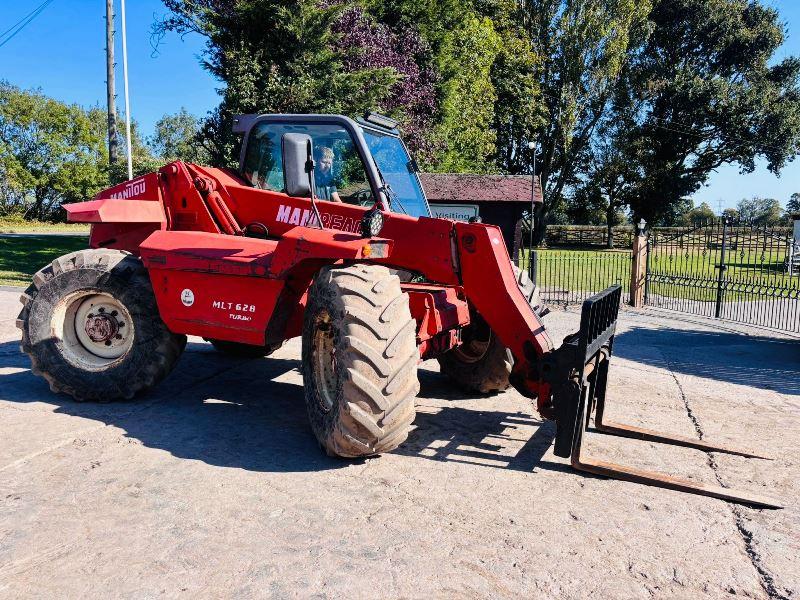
{"x": 298, "y": 152}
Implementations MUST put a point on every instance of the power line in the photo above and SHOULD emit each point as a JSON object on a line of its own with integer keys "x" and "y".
{"x": 12, "y": 31}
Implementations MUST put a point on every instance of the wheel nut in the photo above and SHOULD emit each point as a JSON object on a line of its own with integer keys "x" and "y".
{"x": 90, "y": 316}
{"x": 119, "y": 325}
{"x": 108, "y": 342}
{"x": 113, "y": 313}
{"x": 118, "y": 337}
{"x": 101, "y": 309}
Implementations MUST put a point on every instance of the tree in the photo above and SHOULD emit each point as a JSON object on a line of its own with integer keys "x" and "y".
{"x": 584, "y": 46}
{"x": 177, "y": 138}
{"x": 704, "y": 90}
{"x": 50, "y": 153}
{"x": 365, "y": 44}
{"x": 793, "y": 205}
{"x": 468, "y": 98}
{"x": 760, "y": 211}
{"x": 699, "y": 214}
{"x": 276, "y": 57}
{"x": 731, "y": 214}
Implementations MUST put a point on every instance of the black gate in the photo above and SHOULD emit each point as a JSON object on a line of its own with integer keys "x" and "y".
{"x": 742, "y": 273}
{"x": 568, "y": 276}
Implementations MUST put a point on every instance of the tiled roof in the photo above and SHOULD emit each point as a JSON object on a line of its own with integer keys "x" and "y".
{"x": 476, "y": 188}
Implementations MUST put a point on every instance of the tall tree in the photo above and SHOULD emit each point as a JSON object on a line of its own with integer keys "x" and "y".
{"x": 704, "y": 91}
{"x": 177, "y": 136}
{"x": 50, "y": 152}
{"x": 760, "y": 211}
{"x": 468, "y": 98}
{"x": 793, "y": 205}
{"x": 584, "y": 46}
{"x": 275, "y": 57}
{"x": 366, "y": 44}
{"x": 487, "y": 90}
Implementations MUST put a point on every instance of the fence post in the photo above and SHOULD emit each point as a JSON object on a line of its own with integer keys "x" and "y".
{"x": 722, "y": 267}
{"x": 638, "y": 266}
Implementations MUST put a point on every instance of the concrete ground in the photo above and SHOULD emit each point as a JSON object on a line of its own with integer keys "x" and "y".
{"x": 213, "y": 486}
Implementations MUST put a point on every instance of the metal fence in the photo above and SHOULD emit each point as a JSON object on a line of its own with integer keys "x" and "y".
{"x": 588, "y": 236}
{"x": 568, "y": 277}
{"x": 737, "y": 272}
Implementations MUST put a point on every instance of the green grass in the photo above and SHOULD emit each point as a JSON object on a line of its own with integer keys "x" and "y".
{"x": 583, "y": 270}
{"x": 16, "y": 224}
{"x": 21, "y": 257}
{"x": 678, "y": 274}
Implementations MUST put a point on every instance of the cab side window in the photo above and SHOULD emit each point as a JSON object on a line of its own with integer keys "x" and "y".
{"x": 339, "y": 172}
{"x": 263, "y": 166}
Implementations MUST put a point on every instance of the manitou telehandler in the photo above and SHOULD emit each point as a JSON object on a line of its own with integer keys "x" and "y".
{"x": 323, "y": 232}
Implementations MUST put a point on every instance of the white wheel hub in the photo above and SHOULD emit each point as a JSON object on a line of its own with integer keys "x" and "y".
{"x": 103, "y": 326}
{"x": 95, "y": 329}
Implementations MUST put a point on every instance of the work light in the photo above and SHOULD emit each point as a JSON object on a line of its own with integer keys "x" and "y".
{"x": 372, "y": 223}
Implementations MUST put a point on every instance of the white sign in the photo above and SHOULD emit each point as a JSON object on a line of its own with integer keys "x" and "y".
{"x": 187, "y": 297}
{"x": 457, "y": 212}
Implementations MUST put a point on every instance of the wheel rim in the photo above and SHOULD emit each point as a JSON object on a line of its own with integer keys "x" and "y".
{"x": 323, "y": 361}
{"x": 95, "y": 329}
{"x": 476, "y": 342}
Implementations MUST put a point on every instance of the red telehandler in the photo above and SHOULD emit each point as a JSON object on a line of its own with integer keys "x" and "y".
{"x": 323, "y": 232}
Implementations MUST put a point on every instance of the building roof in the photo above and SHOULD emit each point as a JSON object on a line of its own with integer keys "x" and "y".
{"x": 476, "y": 188}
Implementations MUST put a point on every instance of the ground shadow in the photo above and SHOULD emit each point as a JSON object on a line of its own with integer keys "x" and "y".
{"x": 483, "y": 438}
{"x": 251, "y": 414}
{"x": 757, "y": 361}
{"x": 458, "y": 434}
{"x": 223, "y": 411}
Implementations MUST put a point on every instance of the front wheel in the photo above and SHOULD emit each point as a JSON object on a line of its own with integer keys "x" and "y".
{"x": 482, "y": 363}
{"x": 91, "y": 327}
{"x": 359, "y": 360}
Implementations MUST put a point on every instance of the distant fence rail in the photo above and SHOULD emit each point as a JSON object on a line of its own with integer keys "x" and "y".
{"x": 736, "y": 272}
{"x": 588, "y": 236}
{"x": 596, "y": 236}
{"x": 568, "y": 277}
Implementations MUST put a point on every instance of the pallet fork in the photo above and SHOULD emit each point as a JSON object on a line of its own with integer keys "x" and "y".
{"x": 582, "y": 362}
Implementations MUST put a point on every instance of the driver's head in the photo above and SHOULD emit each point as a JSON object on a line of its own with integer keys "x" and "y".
{"x": 325, "y": 159}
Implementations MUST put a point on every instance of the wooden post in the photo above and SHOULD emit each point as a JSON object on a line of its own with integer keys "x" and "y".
{"x": 113, "y": 153}
{"x": 638, "y": 266}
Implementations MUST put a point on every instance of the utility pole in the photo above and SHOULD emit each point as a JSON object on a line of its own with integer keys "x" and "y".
{"x": 113, "y": 148}
{"x": 127, "y": 99}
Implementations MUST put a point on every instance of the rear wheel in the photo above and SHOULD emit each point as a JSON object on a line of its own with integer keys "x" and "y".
{"x": 482, "y": 363}
{"x": 359, "y": 360}
{"x": 91, "y": 327}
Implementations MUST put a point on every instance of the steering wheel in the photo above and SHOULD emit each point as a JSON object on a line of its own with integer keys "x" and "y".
{"x": 361, "y": 198}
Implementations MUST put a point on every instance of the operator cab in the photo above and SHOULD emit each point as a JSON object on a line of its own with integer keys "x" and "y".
{"x": 355, "y": 161}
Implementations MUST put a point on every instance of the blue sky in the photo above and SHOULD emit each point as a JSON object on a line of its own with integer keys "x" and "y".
{"x": 63, "y": 53}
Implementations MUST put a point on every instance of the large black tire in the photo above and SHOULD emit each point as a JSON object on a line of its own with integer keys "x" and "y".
{"x": 242, "y": 350}
{"x": 359, "y": 360}
{"x": 91, "y": 327}
{"x": 482, "y": 364}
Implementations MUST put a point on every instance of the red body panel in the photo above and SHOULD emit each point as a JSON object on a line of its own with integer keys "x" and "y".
{"x": 199, "y": 247}
{"x": 116, "y": 211}
{"x": 440, "y": 313}
{"x": 213, "y": 285}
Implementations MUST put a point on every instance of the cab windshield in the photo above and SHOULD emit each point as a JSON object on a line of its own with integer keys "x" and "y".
{"x": 395, "y": 166}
